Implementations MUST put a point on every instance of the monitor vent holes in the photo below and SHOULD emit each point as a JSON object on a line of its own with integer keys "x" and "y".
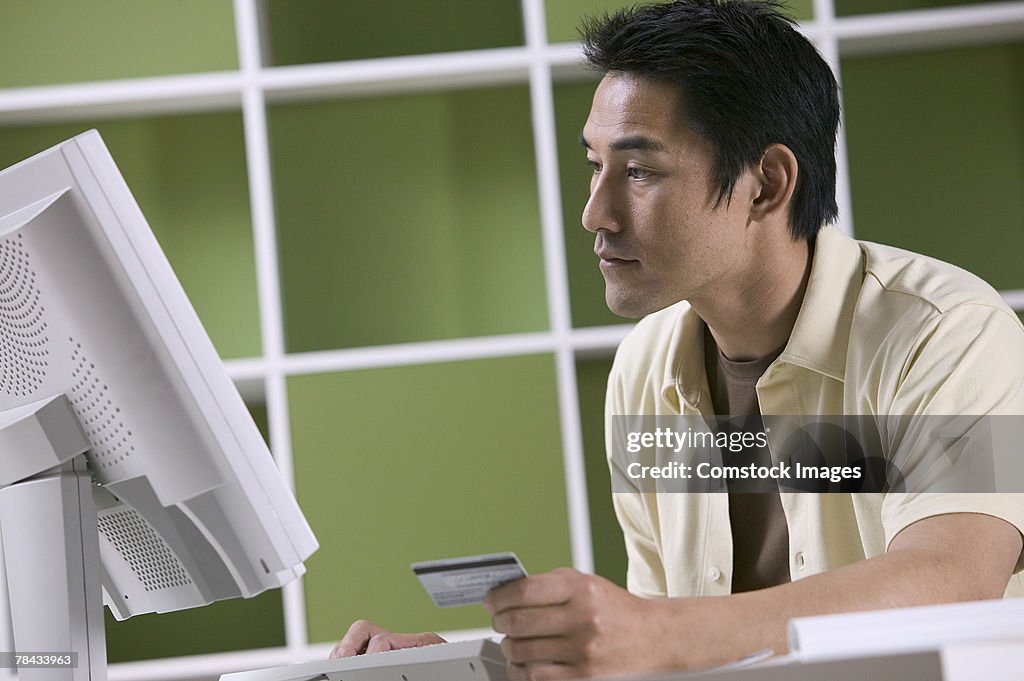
{"x": 148, "y": 555}
{"x": 101, "y": 419}
{"x": 23, "y": 340}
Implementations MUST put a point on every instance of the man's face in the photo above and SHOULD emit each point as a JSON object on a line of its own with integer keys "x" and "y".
{"x": 659, "y": 236}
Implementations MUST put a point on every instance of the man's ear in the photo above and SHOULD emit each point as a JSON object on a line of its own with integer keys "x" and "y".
{"x": 777, "y": 174}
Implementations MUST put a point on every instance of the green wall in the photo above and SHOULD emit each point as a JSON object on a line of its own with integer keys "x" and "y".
{"x": 188, "y": 175}
{"x": 408, "y": 218}
{"x": 238, "y": 624}
{"x": 398, "y": 465}
{"x": 306, "y": 31}
{"x": 936, "y": 149}
{"x": 609, "y": 550}
{"x": 45, "y": 42}
{"x": 564, "y": 16}
{"x": 849, "y": 7}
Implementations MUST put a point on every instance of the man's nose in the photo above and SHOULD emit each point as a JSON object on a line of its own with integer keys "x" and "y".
{"x": 601, "y": 211}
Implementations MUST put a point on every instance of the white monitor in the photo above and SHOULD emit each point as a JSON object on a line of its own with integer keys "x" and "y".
{"x": 176, "y": 501}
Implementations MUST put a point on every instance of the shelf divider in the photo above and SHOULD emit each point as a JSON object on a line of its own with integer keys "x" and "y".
{"x": 257, "y": 145}
{"x": 557, "y": 276}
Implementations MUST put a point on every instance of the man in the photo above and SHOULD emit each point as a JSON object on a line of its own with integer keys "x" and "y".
{"x": 711, "y": 136}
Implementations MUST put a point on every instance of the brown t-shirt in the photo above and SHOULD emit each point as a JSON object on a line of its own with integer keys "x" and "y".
{"x": 760, "y": 536}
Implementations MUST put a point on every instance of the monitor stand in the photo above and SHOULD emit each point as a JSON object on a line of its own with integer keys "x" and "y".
{"x": 50, "y": 541}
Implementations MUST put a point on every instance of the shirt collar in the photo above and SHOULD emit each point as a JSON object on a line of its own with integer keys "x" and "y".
{"x": 820, "y": 336}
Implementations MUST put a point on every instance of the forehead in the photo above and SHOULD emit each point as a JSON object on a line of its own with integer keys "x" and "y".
{"x": 628, "y": 105}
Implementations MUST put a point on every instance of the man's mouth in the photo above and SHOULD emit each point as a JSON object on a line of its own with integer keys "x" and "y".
{"x": 610, "y": 259}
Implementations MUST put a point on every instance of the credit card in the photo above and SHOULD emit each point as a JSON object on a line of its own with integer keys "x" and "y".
{"x": 465, "y": 581}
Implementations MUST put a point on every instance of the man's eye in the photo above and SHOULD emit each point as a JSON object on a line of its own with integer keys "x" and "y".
{"x": 638, "y": 173}
{"x": 595, "y": 167}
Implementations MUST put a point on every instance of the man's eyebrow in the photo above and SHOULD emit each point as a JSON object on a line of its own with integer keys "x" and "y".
{"x": 638, "y": 142}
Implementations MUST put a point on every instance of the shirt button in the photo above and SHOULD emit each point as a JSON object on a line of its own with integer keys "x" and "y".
{"x": 799, "y": 559}
{"x": 714, "y": 574}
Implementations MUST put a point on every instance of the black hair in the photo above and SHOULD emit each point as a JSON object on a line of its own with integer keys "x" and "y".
{"x": 748, "y": 79}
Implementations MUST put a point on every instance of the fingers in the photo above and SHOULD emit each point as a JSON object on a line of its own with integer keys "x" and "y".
{"x": 365, "y": 637}
{"x": 534, "y": 622}
{"x": 543, "y": 672}
{"x": 537, "y": 651}
{"x": 356, "y": 638}
{"x": 391, "y": 641}
{"x": 549, "y": 588}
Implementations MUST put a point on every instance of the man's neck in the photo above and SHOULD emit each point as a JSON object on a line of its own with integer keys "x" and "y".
{"x": 755, "y": 317}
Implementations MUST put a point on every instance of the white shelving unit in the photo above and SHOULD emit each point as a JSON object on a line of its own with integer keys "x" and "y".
{"x": 538, "y": 64}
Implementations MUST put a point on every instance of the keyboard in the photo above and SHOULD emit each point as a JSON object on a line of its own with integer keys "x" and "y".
{"x": 477, "y": 660}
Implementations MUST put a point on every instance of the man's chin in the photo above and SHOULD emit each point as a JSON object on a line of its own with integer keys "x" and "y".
{"x": 624, "y": 307}
{"x": 634, "y": 308}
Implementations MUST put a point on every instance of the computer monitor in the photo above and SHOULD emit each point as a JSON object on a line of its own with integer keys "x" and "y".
{"x": 127, "y": 457}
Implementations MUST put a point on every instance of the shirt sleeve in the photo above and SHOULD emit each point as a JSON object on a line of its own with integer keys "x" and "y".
{"x": 954, "y": 427}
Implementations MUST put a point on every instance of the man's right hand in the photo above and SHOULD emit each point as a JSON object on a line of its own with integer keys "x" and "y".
{"x": 365, "y": 637}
